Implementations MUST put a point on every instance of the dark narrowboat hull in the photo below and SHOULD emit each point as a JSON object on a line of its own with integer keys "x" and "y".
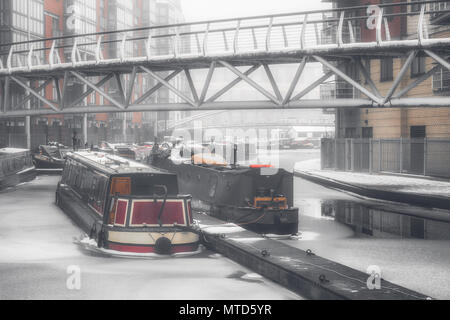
{"x": 14, "y": 179}
{"x": 118, "y": 238}
{"x": 57, "y": 164}
{"x": 221, "y": 193}
{"x": 15, "y": 167}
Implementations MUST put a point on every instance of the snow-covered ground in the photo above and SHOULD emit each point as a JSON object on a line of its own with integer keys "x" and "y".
{"x": 379, "y": 181}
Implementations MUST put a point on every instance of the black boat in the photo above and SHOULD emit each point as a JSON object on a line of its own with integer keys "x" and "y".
{"x": 16, "y": 167}
{"x": 258, "y": 197}
{"x": 49, "y": 158}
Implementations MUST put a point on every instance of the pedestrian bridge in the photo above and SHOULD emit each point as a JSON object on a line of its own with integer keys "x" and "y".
{"x": 331, "y": 38}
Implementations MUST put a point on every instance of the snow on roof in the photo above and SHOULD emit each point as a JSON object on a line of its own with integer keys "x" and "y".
{"x": 114, "y": 164}
{"x": 107, "y": 159}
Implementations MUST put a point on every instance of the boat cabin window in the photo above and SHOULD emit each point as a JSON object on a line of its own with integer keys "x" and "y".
{"x": 89, "y": 184}
{"x": 121, "y": 185}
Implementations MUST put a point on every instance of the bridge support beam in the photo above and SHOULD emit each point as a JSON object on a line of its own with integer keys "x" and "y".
{"x": 124, "y": 127}
{"x": 28, "y": 131}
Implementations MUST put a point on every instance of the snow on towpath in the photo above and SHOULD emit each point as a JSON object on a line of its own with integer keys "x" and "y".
{"x": 387, "y": 182}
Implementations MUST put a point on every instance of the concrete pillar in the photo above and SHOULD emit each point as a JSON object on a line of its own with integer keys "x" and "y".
{"x": 156, "y": 126}
{"x": 28, "y": 118}
{"x": 28, "y": 122}
{"x": 28, "y": 131}
{"x": 84, "y": 128}
{"x": 84, "y": 124}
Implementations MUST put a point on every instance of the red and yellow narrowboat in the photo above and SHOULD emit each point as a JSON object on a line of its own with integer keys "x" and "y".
{"x": 126, "y": 206}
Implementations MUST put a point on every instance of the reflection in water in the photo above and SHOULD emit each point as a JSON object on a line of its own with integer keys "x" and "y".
{"x": 369, "y": 221}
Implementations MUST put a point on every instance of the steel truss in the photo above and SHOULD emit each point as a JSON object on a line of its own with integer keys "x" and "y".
{"x": 35, "y": 78}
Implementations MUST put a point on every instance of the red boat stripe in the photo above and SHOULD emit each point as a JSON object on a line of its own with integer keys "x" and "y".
{"x": 150, "y": 249}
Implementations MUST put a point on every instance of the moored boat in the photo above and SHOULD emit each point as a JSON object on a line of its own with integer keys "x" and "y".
{"x": 256, "y": 197}
{"x": 16, "y": 167}
{"x": 126, "y": 206}
{"x": 49, "y": 158}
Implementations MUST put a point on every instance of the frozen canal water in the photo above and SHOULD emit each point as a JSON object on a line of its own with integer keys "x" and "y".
{"x": 37, "y": 248}
{"x": 411, "y": 252}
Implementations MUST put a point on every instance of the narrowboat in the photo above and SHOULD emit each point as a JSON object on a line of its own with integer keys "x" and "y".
{"x": 16, "y": 166}
{"x": 126, "y": 206}
{"x": 49, "y": 158}
{"x": 125, "y": 151}
{"x": 256, "y": 197}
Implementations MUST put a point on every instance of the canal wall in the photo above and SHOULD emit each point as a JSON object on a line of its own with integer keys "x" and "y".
{"x": 303, "y": 272}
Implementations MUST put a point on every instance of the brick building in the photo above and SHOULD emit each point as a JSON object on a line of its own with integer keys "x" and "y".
{"x": 404, "y": 132}
{"x": 22, "y": 20}
{"x": 395, "y": 122}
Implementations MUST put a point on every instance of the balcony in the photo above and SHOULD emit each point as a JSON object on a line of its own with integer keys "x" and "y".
{"x": 338, "y": 89}
{"x": 438, "y": 17}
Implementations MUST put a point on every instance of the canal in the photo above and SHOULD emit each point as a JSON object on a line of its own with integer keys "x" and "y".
{"x": 37, "y": 249}
{"x": 411, "y": 251}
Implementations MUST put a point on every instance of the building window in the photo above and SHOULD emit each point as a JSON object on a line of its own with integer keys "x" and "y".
{"x": 388, "y": 10}
{"x": 415, "y": 7}
{"x": 418, "y": 66}
{"x": 55, "y": 27}
{"x": 386, "y": 69}
{"x": 350, "y": 133}
{"x": 367, "y": 133}
{"x": 366, "y": 64}
{"x": 441, "y": 81}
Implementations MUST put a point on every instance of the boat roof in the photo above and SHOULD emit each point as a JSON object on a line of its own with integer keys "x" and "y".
{"x": 11, "y": 150}
{"x": 113, "y": 164}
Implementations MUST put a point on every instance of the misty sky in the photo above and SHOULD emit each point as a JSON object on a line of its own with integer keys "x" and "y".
{"x": 195, "y": 10}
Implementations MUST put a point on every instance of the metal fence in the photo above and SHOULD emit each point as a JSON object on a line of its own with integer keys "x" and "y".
{"x": 430, "y": 157}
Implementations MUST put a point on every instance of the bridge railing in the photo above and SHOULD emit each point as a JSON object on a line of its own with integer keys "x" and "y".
{"x": 344, "y": 27}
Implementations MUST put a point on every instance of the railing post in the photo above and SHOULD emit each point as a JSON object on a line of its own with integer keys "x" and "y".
{"x": 340, "y": 41}
{"x": 380, "y": 156}
{"x": 205, "y": 39}
{"x": 425, "y": 151}
{"x": 302, "y": 35}
{"x": 370, "y": 155}
{"x": 401, "y": 156}
{"x": 352, "y": 154}
{"x": 176, "y": 40}
{"x": 324, "y": 153}
{"x": 236, "y": 37}
{"x": 336, "y": 153}
{"x": 269, "y": 33}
